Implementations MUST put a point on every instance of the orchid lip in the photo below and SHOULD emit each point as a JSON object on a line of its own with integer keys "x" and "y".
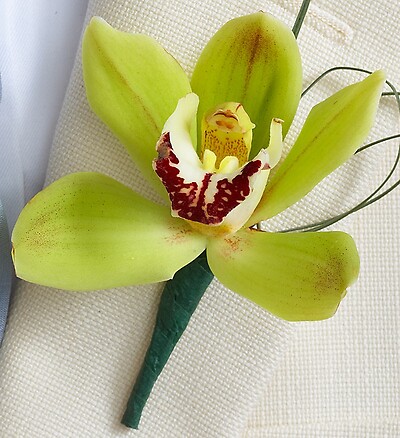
{"x": 218, "y": 193}
{"x": 209, "y": 199}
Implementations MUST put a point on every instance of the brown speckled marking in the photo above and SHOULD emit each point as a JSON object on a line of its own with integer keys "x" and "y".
{"x": 179, "y": 236}
{"x": 255, "y": 44}
{"x": 328, "y": 280}
{"x": 233, "y": 242}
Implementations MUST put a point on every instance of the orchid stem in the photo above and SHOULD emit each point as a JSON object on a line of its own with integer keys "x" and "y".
{"x": 300, "y": 17}
{"x": 179, "y": 300}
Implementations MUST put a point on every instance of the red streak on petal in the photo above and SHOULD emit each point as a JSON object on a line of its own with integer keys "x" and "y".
{"x": 231, "y": 193}
{"x": 188, "y": 198}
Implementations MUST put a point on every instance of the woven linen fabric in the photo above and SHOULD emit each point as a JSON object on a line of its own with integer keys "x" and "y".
{"x": 69, "y": 360}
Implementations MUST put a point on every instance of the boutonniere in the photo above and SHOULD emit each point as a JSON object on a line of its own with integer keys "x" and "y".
{"x": 207, "y": 145}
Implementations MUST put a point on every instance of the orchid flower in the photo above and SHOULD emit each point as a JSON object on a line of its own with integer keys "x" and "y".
{"x": 207, "y": 146}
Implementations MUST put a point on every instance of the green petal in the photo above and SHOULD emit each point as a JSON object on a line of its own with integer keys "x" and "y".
{"x": 253, "y": 60}
{"x": 133, "y": 85}
{"x": 298, "y": 276}
{"x": 333, "y": 131}
{"x": 87, "y": 231}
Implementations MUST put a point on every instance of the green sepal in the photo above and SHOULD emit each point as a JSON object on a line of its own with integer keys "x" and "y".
{"x": 87, "y": 231}
{"x": 179, "y": 300}
{"x": 253, "y": 60}
{"x": 333, "y": 131}
{"x": 296, "y": 276}
{"x": 133, "y": 85}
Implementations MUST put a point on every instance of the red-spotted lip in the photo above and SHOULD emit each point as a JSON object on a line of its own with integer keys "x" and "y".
{"x": 209, "y": 200}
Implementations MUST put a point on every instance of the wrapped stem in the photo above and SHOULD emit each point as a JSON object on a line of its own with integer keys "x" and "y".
{"x": 179, "y": 300}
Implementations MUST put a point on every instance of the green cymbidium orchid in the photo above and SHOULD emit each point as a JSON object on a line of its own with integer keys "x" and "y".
{"x": 87, "y": 231}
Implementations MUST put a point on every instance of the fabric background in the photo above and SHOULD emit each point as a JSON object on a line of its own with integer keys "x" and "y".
{"x": 68, "y": 360}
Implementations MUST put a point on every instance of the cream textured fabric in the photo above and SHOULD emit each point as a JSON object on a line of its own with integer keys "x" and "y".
{"x": 69, "y": 360}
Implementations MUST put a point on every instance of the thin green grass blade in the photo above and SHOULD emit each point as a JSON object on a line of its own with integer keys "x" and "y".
{"x": 300, "y": 17}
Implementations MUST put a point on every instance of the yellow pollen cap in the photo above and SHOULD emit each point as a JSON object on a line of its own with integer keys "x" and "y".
{"x": 227, "y": 131}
